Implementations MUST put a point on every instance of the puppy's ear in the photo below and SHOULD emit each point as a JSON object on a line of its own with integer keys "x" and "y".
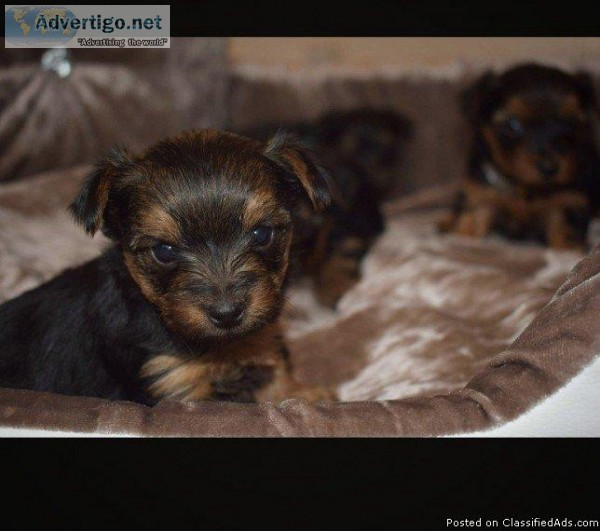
{"x": 300, "y": 169}
{"x": 586, "y": 91}
{"x": 89, "y": 206}
{"x": 475, "y": 100}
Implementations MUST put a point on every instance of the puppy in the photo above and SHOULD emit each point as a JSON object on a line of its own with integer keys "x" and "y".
{"x": 185, "y": 304}
{"x": 361, "y": 149}
{"x": 534, "y": 170}
{"x": 373, "y": 139}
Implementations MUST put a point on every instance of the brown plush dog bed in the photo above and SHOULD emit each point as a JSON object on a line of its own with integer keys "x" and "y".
{"x": 443, "y": 335}
{"x": 424, "y": 345}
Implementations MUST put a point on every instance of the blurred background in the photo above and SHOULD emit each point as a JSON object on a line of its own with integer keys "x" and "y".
{"x": 297, "y": 78}
{"x": 59, "y": 108}
{"x": 409, "y": 52}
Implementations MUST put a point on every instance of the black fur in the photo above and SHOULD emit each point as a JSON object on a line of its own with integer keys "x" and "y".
{"x": 86, "y": 208}
{"x": 86, "y": 332}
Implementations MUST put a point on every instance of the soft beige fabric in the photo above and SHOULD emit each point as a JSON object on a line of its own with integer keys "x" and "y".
{"x": 430, "y": 311}
{"x": 38, "y": 239}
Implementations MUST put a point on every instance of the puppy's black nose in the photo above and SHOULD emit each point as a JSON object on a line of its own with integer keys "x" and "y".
{"x": 226, "y": 314}
{"x": 548, "y": 168}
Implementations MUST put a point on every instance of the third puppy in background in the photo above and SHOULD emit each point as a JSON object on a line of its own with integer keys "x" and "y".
{"x": 534, "y": 170}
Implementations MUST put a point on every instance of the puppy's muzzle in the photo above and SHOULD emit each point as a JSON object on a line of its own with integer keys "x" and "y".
{"x": 548, "y": 167}
{"x": 226, "y": 314}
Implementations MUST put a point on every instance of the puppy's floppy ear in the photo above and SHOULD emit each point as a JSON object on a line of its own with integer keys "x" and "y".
{"x": 586, "y": 91}
{"x": 300, "y": 169}
{"x": 475, "y": 100}
{"x": 89, "y": 206}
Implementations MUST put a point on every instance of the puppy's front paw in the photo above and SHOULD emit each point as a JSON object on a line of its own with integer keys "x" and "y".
{"x": 568, "y": 246}
{"x": 446, "y": 223}
{"x": 475, "y": 224}
{"x": 329, "y": 294}
{"x": 337, "y": 277}
{"x": 467, "y": 225}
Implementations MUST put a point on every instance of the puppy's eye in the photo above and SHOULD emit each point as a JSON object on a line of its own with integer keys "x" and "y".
{"x": 514, "y": 127}
{"x": 263, "y": 235}
{"x": 164, "y": 254}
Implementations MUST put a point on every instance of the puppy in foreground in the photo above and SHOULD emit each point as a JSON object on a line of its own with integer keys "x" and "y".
{"x": 534, "y": 170}
{"x": 185, "y": 304}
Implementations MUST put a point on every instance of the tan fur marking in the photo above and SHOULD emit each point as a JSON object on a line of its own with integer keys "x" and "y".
{"x": 496, "y": 152}
{"x": 192, "y": 379}
{"x": 284, "y": 387}
{"x": 336, "y": 276}
{"x": 157, "y": 223}
{"x": 556, "y": 229}
{"x": 318, "y": 253}
{"x": 476, "y": 223}
{"x": 103, "y": 190}
{"x": 302, "y": 172}
{"x": 352, "y": 244}
{"x": 571, "y": 107}
{"x": 185, "y": 314}
{"x": 517, "y": 106}
{"x": 260, "y": 204}
{"x": 177, "y": 378}
{"x": 261, "y": 301}
{"x": 286, "y": 259}
{"x": 485, "y": 204}
{"x": 139, "y": 277}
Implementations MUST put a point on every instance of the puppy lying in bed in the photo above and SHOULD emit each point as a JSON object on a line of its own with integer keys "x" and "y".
{"x": 185, "y": 303}
{"x": 534, "y": 170}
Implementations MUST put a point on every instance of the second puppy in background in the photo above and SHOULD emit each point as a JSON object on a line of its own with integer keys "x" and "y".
{"x": 362, "y": 149}
{"x": 534, "y": 170}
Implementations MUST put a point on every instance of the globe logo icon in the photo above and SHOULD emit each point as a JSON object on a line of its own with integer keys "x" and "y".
{"x": 27, "y": 26}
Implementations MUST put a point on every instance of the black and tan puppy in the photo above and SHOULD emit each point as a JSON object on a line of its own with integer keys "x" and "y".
{"x": 361, "y": 148}
{"x": 534, "y": 170}
{"x": 185, "y": 304}
{"x": 373, "y": 139}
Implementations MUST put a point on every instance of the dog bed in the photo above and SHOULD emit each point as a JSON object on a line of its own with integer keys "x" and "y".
{"x": 443, "y": 334}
